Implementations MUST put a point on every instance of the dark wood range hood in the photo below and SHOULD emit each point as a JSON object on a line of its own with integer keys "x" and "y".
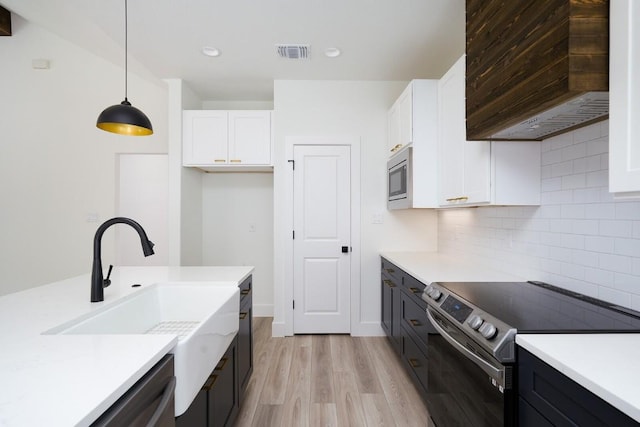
{"x": 535, "y": 68}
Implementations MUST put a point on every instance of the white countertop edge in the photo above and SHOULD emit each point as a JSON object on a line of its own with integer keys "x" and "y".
{"x": 539, "y": 345}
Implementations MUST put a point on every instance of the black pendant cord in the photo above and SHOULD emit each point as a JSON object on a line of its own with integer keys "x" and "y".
{"x": 126, "y": 53}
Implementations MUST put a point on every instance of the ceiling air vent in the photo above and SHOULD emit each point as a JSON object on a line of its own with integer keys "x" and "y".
{"x": 293, "y": 51}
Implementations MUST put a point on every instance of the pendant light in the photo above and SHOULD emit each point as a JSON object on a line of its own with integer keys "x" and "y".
{"x": 123, "y": 118}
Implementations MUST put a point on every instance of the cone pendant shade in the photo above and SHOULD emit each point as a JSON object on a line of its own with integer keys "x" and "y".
{"x": 123, "y": 118}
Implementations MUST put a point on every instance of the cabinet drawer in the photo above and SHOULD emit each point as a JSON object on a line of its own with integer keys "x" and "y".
{"x": 414, "y": 319}
{"x": 245, "y": 289}
{"x": 245, "y": 347}
{"x": 416, "y": 360}
{"x": 221, "y": 390}
{"x": 393, "y": 272}
{"x": 415, "y": 288}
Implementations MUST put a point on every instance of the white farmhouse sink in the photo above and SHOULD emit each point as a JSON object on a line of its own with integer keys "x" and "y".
{"x": 205, "y": 318}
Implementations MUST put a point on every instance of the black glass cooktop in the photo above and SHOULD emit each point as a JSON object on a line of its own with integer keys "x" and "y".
{"x": 535, "y": 307}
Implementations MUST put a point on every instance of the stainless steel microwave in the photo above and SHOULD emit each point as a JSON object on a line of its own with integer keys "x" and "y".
{"x": 399, "y": 180}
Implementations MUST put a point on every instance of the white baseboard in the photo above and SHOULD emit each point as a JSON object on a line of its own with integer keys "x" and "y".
{"x": 368, "y": 329}
{"x": 278, "y": 329}
{"x": 262, "y": 310}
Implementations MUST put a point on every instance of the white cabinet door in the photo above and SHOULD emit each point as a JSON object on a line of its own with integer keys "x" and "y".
{"x": 393, "y": 117}
{"x": 400, "y": 119}
{"x": 624, "y": 92}
{"x": 464, "y": 166}
{"x": 204, "y": 138}
{"x": 250, "y": 137}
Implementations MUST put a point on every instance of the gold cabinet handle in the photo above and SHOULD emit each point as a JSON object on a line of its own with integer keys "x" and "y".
{"x": 458, "y": 199}
{"x": 222, "y": 363}
{"x": 396, "y": 148}
{"x": 389, "y": 283}
{"x": 243, "y": 315}
{"x": 415, "y": 290}
{"x": 390, "y": 270}
{"x": 219, "y": 160}
{"x": 414, "y": 363}
{"x": 415, "y": 322}
{"x": 245, "y": 291}
{"x": 235, "y": 161}
{"x": 210, "y": 382}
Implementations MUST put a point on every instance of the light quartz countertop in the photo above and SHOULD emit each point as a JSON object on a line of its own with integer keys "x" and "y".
{"x": 70, "y": 380}
{"x": 430, "y": 267}
{"x": 605, "y": 364}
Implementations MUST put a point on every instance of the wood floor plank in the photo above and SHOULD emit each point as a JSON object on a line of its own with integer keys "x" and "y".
{"x": 298, "y": 396}
{"x": 405, "y": 403}
{"x": 268, "y": 416}
{"x": 275, "y": 385}
{"x": 348, "y": 402}
{"x": 323, "y": 415}
{"x": 341, "y": 353}
{"x": 321, "y": 368}
{"x": 363, "y": 367}
{"x": 377, "y": 411}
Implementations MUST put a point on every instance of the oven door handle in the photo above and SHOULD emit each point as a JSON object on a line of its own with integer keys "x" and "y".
{"x": 495, "y": 373}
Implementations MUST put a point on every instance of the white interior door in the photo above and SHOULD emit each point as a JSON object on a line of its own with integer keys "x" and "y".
{"x": 322, "y": 227}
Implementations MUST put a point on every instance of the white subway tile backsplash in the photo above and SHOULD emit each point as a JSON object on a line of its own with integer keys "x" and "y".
{"x": 616, "y": 228}
{"x": 571, "y": 182}
{"x": 616, "y": 263}
{"x": 580, "y": 238}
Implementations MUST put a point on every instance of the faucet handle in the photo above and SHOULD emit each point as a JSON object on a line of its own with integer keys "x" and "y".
{"x": 106, "y": 282}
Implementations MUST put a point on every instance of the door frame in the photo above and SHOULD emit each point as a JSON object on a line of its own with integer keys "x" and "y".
{"x": 354, "y": 143}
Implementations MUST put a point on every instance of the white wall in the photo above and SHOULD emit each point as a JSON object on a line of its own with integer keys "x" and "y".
{"x": 580, "y": 238}
{"x": 56, "y": 167}
{"x": 237, "y": 228}
{"x": 346, "y": 108}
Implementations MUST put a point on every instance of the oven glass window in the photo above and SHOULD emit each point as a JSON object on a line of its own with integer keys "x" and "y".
{"x": 398, "y": 181}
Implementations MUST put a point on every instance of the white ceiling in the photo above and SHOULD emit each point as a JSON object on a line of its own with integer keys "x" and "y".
{"x": 379, "y": 39}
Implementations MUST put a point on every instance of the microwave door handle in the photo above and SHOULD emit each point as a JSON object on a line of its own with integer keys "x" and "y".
{"x": 494, "y": 372}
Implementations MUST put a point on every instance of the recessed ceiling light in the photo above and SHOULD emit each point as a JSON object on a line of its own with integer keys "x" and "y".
{"x": 332, "y": 52}
{"x": 210, "y": 51}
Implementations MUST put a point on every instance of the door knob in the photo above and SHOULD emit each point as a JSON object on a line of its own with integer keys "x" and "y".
{"x": 345, "y": 249}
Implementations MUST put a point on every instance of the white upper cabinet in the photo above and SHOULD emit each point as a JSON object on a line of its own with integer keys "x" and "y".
{"x": 403, "y": 116}
{"x": 215, "y": 140}
{"x": 624, "y": 98}
{"x": 475, "y": 173}
{"x": 413, "y": 121}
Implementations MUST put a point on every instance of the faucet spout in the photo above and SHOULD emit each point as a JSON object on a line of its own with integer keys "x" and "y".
{"x": 97, "y": 279}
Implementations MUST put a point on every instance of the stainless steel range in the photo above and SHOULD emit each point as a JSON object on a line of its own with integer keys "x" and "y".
{"x": 472, "y": 357}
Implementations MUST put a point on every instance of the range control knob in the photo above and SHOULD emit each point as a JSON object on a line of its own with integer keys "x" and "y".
{"x": 488, "y": 331}
{"x": 435, "y": 294}
{"x": 475, "y": 322}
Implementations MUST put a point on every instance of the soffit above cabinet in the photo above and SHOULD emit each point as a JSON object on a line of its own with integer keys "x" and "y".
{"x": 535, "y": 68}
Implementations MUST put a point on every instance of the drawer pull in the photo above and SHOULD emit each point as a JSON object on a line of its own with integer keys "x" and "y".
{"x": 235, "y": 161}
{"x": 243, "y": 315}
{"x": 458, "y": 199}
{"x": 415, "y": 290}
{"x": 222, "y": 363}
{"x": 414, "y": 363}
{"x": 415, "y": 322}
{"x": 389, "y": 283}
{"x": 219, "y": 160}
{"x": 210, "y": 382}
{"x": 390, "y": 270}
{"x": 245, "y": 291}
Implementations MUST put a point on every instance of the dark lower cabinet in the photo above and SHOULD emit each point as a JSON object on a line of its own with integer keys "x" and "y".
{"x": 549, "y": 398}
{"x": 218, "y": 402}
{"x": 404, "y": 320}
{"x": 150, "y": 401}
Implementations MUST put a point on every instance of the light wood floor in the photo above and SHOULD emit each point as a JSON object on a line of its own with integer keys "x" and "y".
{"x": 327, "y": 380}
